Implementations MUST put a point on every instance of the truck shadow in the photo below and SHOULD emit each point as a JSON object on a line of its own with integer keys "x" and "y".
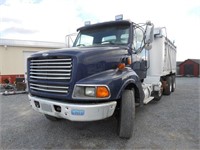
{"x": 84, "y": 135}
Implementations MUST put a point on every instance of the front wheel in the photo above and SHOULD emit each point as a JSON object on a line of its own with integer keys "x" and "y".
{"x": 127, "y": 114}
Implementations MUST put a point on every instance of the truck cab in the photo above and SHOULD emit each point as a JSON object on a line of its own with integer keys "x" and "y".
{"x": 101, "y": 75}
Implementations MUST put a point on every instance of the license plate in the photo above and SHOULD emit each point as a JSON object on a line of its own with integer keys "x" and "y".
{"x": 46, "y": 107}
{"x": 77, "y": 112}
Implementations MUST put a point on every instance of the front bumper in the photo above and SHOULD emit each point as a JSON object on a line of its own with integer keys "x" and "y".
{"x": 73, "y": 112}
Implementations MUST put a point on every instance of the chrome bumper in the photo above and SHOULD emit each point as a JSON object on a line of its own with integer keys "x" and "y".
{"x": 73, "y": 112}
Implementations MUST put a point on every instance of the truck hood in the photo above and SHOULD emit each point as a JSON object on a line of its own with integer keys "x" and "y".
{"x": 88, "y": 61}
{"x": 85, "y": 62}
{"x": 89, "y": 55}
{"x": 81, "y": 50}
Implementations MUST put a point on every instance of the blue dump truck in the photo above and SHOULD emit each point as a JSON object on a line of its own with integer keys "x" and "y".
{"x": 112, "y": 68}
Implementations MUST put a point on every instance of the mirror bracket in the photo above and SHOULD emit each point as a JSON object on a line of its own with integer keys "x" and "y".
{"x": 149, "y": 35}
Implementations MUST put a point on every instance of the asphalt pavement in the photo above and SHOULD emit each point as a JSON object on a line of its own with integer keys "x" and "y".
{"x": 171, "y": 123}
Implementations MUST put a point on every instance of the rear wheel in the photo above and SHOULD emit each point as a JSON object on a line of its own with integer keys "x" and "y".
{"x": 173, "y": 83}
{"x": 158, "y": 94}
{"x": 127, "y": 114}
{"x": 51, "y": 118}
{"x": 168, "y": 86}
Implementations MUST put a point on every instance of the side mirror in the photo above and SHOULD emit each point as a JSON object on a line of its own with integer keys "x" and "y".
{"x": 149, "y": 34}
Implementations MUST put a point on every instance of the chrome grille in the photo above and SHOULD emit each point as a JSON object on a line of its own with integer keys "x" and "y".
{"x": 49, "y": 88}
{"x": 51, "y": 71}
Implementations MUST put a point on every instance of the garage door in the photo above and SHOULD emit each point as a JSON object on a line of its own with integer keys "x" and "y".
{"x": 188, "y": 69}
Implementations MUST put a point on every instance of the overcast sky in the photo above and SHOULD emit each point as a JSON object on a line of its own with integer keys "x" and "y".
{"x": 51, "y": 20}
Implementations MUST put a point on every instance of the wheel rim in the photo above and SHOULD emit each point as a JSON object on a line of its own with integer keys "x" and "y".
{"x": 160, "y": 92}
{"x": 170, "y": 87}
{"x": 174, "y": 85}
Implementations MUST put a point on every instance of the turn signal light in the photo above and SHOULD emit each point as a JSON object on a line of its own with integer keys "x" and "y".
{"x": 121, "y": 66}
{"x": 129, "y": 61}
{"x": 102, "y": 92}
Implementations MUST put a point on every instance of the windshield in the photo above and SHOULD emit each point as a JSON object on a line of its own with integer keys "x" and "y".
{"x": 114, "y": 35}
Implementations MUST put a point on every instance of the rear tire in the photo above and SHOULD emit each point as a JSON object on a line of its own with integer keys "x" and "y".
{"x": 168, "y": 87}
{"x": 173, "y": 83}
{"x": 158, "y": 94}
{"x": 127, "y": 114}
{"x": 51, "y": 118}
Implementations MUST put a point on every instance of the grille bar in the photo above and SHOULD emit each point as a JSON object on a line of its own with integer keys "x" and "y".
{"x": 50, "y": 66}
{"x": 42, "y": 60}
{"x": 47, "y": 90}
{"x": 46, "y": 70}
{"x": 52, "y": 63}
{"x": 50, "y": 86}
{"x": 55, "y": 78}
{"x": 52, "y": 74}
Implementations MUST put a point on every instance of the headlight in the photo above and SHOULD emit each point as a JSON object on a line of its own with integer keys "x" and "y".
{"x": 91, "y": 92}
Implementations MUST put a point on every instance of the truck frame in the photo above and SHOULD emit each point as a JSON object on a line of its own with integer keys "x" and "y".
{"x": 112, "y": 68}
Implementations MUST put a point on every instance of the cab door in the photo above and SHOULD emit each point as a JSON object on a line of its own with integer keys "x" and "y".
{"x": 139, "y": 54}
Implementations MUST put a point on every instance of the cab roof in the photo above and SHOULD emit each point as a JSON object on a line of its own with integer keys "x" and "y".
{"x": 104, "y": 24}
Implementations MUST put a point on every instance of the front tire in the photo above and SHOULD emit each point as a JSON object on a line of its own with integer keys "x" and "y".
{"x": 127, "y": 114}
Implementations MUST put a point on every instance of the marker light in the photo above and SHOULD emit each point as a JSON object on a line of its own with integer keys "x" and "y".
{"x": 102, "y": 92}
{"x": 119, "y": 17}
{"x": 128, "y": 60}
{"x": 121, "y": 66}
{"x": 87, "y": 23}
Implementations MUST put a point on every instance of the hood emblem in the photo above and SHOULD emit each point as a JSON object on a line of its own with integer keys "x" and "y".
{"x": 45, "y": 54}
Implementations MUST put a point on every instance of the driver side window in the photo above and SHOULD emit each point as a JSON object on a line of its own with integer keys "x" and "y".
{"x": 138, "y": 39}
{"x": 85, "y": 40}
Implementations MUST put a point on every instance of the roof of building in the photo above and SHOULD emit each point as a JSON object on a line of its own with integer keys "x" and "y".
{"x": 26, "y": 43}
{"x": 178, "y": 63}
{"x": 194, "y": 60}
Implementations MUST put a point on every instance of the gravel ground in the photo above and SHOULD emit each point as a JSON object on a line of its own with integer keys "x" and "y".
{"x": 172, "y": 123}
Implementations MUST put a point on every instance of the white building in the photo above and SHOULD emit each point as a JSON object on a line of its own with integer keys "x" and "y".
{"x": 13, "y": 55}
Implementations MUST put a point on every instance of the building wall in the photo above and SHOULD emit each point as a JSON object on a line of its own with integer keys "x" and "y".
{"x": 187, "y": 63}
{"x": 177, "y": 70}
{"x": 12, "y": 60}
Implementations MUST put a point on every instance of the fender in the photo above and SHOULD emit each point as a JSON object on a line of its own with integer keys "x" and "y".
{"x": 117, "y": 81}
{"x": 136, "y": 84}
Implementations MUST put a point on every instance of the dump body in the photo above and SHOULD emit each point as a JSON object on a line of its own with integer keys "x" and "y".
{"x": 162, "y": 57}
